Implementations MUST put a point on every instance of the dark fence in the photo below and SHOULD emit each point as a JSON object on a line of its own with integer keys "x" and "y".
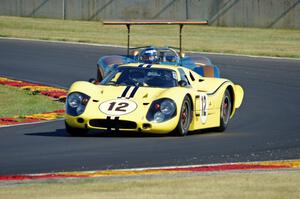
{"x": 242, "y": 13}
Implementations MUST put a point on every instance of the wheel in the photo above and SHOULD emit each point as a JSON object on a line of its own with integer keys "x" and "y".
{"x": 78, "y": 132}
{"x": 185, "y": 117}
{"x": 225, "y": 111}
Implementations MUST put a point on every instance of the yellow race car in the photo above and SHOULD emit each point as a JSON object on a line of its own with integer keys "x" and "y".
{"x": 155, "y": 90}
{"x": 152, "y": 99}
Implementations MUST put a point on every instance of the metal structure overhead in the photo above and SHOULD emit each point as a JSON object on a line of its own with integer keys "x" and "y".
{"x": 154, "y": 22}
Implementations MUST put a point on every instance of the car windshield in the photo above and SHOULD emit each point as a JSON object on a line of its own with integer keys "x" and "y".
{"x": 138, "y": 76}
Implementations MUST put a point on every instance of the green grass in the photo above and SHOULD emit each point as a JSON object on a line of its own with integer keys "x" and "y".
{"x": 231, "y": 185}
{"x": 17, "y": 102}
{"x": 251, "y": 41}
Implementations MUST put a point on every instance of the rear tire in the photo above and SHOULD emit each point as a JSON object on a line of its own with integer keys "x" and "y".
{"x": 76, "y": 132}
{"x": 185, "y": 117}
{"x": 225, "y": 111}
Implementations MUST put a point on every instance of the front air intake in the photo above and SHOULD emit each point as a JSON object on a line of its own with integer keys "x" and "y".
{"x": 112, "y": 124}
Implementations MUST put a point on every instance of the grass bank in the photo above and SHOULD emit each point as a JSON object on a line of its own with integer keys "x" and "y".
{"x": 17, "y": 102}
{"x": 251, "y": 41}
{"x": 230, "y": 185}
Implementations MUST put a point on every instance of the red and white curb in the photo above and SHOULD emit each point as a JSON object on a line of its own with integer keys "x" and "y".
{"x": 52, "y": 92}
{"x": 243, "y": 166}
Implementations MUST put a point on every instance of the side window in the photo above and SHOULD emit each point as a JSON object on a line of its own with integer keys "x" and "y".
{"x": 183, "y": 76}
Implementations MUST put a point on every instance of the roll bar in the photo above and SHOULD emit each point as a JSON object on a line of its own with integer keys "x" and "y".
{"x": 154, "y": 22}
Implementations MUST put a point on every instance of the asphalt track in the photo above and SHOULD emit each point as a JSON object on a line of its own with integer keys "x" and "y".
{"x": 266, "y": 127}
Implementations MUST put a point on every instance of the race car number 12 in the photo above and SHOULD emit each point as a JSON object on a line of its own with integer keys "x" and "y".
{"x": 203, "y": 107}
{"x": 117, "y": 107}
{"x": 120, "y": 106}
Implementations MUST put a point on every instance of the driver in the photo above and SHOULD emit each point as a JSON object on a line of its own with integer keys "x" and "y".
{"x": 136, "y": 78}
{"x": 136, "y": 75}
{"x": 149, "y": 56}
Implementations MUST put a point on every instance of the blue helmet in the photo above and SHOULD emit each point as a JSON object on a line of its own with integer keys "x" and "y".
{"x": 149, "y": 56}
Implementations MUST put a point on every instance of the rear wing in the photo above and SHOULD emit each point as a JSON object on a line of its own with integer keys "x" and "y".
{"x": 154, "y": 22}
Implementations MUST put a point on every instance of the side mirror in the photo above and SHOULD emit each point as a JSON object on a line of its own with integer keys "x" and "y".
{"x": 182, "y": 83}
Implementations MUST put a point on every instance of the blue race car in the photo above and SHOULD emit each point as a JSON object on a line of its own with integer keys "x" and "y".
{"x": 156, "y": 55}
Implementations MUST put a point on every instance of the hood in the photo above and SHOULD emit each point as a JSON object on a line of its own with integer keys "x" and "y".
{"x": 138, "y": 94}
{"x": 126, "y": 102}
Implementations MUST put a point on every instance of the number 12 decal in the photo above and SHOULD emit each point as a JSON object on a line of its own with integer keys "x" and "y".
{"x": 203, "y": 107}
{"x": 121, "y": 106}
{"x": 117, "y": 107}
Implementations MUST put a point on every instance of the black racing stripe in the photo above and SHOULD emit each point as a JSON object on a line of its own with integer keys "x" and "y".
{"x": 125, "y": 91}
{"x": 149, "y": 66}
{"x": 217, "y": 88}
{"x": 133, "y": 92}
{"x": 141, "y": 65}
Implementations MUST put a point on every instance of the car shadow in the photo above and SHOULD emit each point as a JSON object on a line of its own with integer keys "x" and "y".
{"x": 57, "y": 133}
{"x": 97, "y": 133}
{"x": 119, "y": 134}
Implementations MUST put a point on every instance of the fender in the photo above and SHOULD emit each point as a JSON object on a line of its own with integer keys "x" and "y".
{"x": 88, "y": 88}
{"x": 239, "y": 95}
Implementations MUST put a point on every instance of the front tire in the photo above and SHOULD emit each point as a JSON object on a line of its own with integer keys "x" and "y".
{"x": 185, "y": 117}
{"x": 225, "y": 111}
{"x": 76, "y": 132}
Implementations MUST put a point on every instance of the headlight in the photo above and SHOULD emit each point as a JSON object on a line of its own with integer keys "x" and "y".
{"x": 74, "y": 100}
{"x": 161, "y": 110}
{"x": 159, "y": 117}
{"x": 167, "y": 107}
{"x": 76, "y": 103}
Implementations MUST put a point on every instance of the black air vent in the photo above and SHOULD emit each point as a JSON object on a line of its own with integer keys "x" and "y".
{"x": 113, "y": 124}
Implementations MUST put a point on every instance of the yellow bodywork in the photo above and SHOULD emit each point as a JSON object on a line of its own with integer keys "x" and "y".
{"x": 213, "y": 88}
